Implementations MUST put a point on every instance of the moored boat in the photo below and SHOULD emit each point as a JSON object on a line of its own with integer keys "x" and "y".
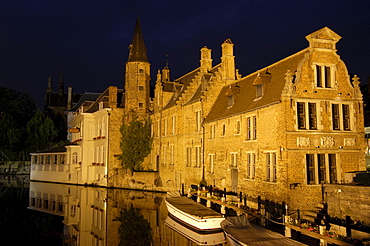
{"x": 193, "y": 215}
{"x": 239, "y": 231}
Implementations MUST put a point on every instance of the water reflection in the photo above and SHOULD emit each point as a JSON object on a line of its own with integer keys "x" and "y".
{"x": 100, "y": 216}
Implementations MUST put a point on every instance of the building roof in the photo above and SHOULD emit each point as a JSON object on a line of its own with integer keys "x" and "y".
{"x": 137, "y": 47}
{"x": 58, "y": 149}
{"x": 88, "y": 96}
{"x": 272, "y": 78}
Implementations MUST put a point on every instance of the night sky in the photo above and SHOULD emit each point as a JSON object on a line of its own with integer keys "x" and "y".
{"x": 90, "y": 39}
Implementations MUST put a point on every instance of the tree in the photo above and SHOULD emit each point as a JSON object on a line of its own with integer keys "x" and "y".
{"x": 41, "y": 132}
{"x": 136, "y": 143}
{"x": 16, "y": 109}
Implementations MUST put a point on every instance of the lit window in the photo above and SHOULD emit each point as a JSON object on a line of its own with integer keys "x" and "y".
{"x": 237, "y": 127}
{"x": 198, "y": 156}
{"x": 251, "y": 165}
{"x": 211, "y": 162}
{"x": 212, "y": 131}
{"x": 198, "y": 115}
{"x": 324, "y": 76}
{"x": 223, "y": 130}
{"x": 188, "y": 156}
{"x": 234, "y": 159}
{"x": 306, "y": 116}
{"x": 271, "y": 167}
{"x": 321, "y": 168}
{"x": 341, "y": 117}
{"x": 252, "y": 128}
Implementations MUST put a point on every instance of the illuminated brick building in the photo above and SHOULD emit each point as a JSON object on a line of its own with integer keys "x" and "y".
{"x": 277, "y": 134}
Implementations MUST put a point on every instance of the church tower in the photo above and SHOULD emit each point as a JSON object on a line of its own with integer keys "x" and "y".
{"x": 137, "y": 76}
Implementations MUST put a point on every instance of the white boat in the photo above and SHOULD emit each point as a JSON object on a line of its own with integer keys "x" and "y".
{"x": 239, "y": 231}
{"x": 193, "y": 215}
{"x": 196, "y": 237}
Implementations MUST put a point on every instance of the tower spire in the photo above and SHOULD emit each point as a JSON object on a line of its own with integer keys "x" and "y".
{"x": 137, "y": 47}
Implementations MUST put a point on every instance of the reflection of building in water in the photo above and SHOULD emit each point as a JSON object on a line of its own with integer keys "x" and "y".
{"x": 83, "y": 209}
{"x": 93, "y": 216}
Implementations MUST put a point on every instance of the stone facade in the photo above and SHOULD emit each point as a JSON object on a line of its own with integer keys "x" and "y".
{"x": 278, "y": 133}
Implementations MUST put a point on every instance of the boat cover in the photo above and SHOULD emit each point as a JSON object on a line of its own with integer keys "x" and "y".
{"x": 253, "y": 235}
{"x": 193, "y": 208}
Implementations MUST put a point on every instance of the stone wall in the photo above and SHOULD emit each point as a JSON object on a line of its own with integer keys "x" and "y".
{"x": 348, "y": 200}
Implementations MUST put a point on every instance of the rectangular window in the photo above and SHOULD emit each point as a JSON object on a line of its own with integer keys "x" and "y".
{"x": 250, "y": 168}
{"x": 252, "y": 128}
{"x": 164, "y": 154}
{"x": 306, "y": 116}
{"x": 165, "y": 127}
{"x": 188, "y": 156}
{"x": 173, "y": 124}
{"x": 346, "y": 117}
{"x": 341, "y": 117}
{"x": 172, "y": 155}
{"x": 234, "y": 159}
{"x": 198, "y": 119}
{"x": 223, "y": 130}
{"x": 324, "y": 77}
{"x": 212, "y": 131}
{"x": 321, "y": 168}
{"x": 336, "y": 117}
{"x": 211, "y": 162}
{"x": 332, "y": 169}
{"x": 310, "y": 162}
{"x": 271, "y": 167}
{"x": 237, "y": 127}
{"x": 198, "y": 156}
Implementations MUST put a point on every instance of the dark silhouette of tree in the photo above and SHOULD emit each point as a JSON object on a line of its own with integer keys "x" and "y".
{"x": 136, "y": 143}
{"x": 41, "y": 132}
{"x": 16, "y": 109}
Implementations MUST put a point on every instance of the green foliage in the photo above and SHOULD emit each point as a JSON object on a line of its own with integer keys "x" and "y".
{"x": 41, "y": 132}
{"x": 136, "y": 143}
{"x": 134, "y": 230}
{"x": 16, "y": 109}
{"x": 17, "y": 104}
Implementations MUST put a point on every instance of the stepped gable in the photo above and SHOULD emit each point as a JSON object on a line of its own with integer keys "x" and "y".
{"x": 246, "y": 99}
{"x": 185, "y": 81}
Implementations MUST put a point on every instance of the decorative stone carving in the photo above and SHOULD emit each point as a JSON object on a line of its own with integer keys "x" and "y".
{"x": 327, "y": 141}
{"x": 303, "y": 141}
{"x": 349, "y": 141}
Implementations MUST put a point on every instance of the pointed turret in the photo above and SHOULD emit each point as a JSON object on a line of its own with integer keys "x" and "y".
{"x": 137, "y": 47}
{"x": 137, "y": 76}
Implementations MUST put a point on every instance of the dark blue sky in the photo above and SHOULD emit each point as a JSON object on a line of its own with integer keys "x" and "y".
{"x": 90, "y": 39}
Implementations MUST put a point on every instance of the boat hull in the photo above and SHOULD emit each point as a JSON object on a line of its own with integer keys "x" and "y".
{"x": 197, "y": 223}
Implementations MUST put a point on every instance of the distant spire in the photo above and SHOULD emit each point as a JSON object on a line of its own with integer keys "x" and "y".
{"x": 137, "y": 47}
{"x": 61, "y": 83}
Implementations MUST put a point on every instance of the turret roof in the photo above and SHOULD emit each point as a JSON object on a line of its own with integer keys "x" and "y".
{"x": 137, "y": 47}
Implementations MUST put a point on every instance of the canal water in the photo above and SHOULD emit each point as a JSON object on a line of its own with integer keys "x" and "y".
{"x": 37, "y": 213}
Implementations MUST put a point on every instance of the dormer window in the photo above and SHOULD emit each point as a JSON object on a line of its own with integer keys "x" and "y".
{"x": 230, "y": 100}
{"x": 259, "y": 91}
